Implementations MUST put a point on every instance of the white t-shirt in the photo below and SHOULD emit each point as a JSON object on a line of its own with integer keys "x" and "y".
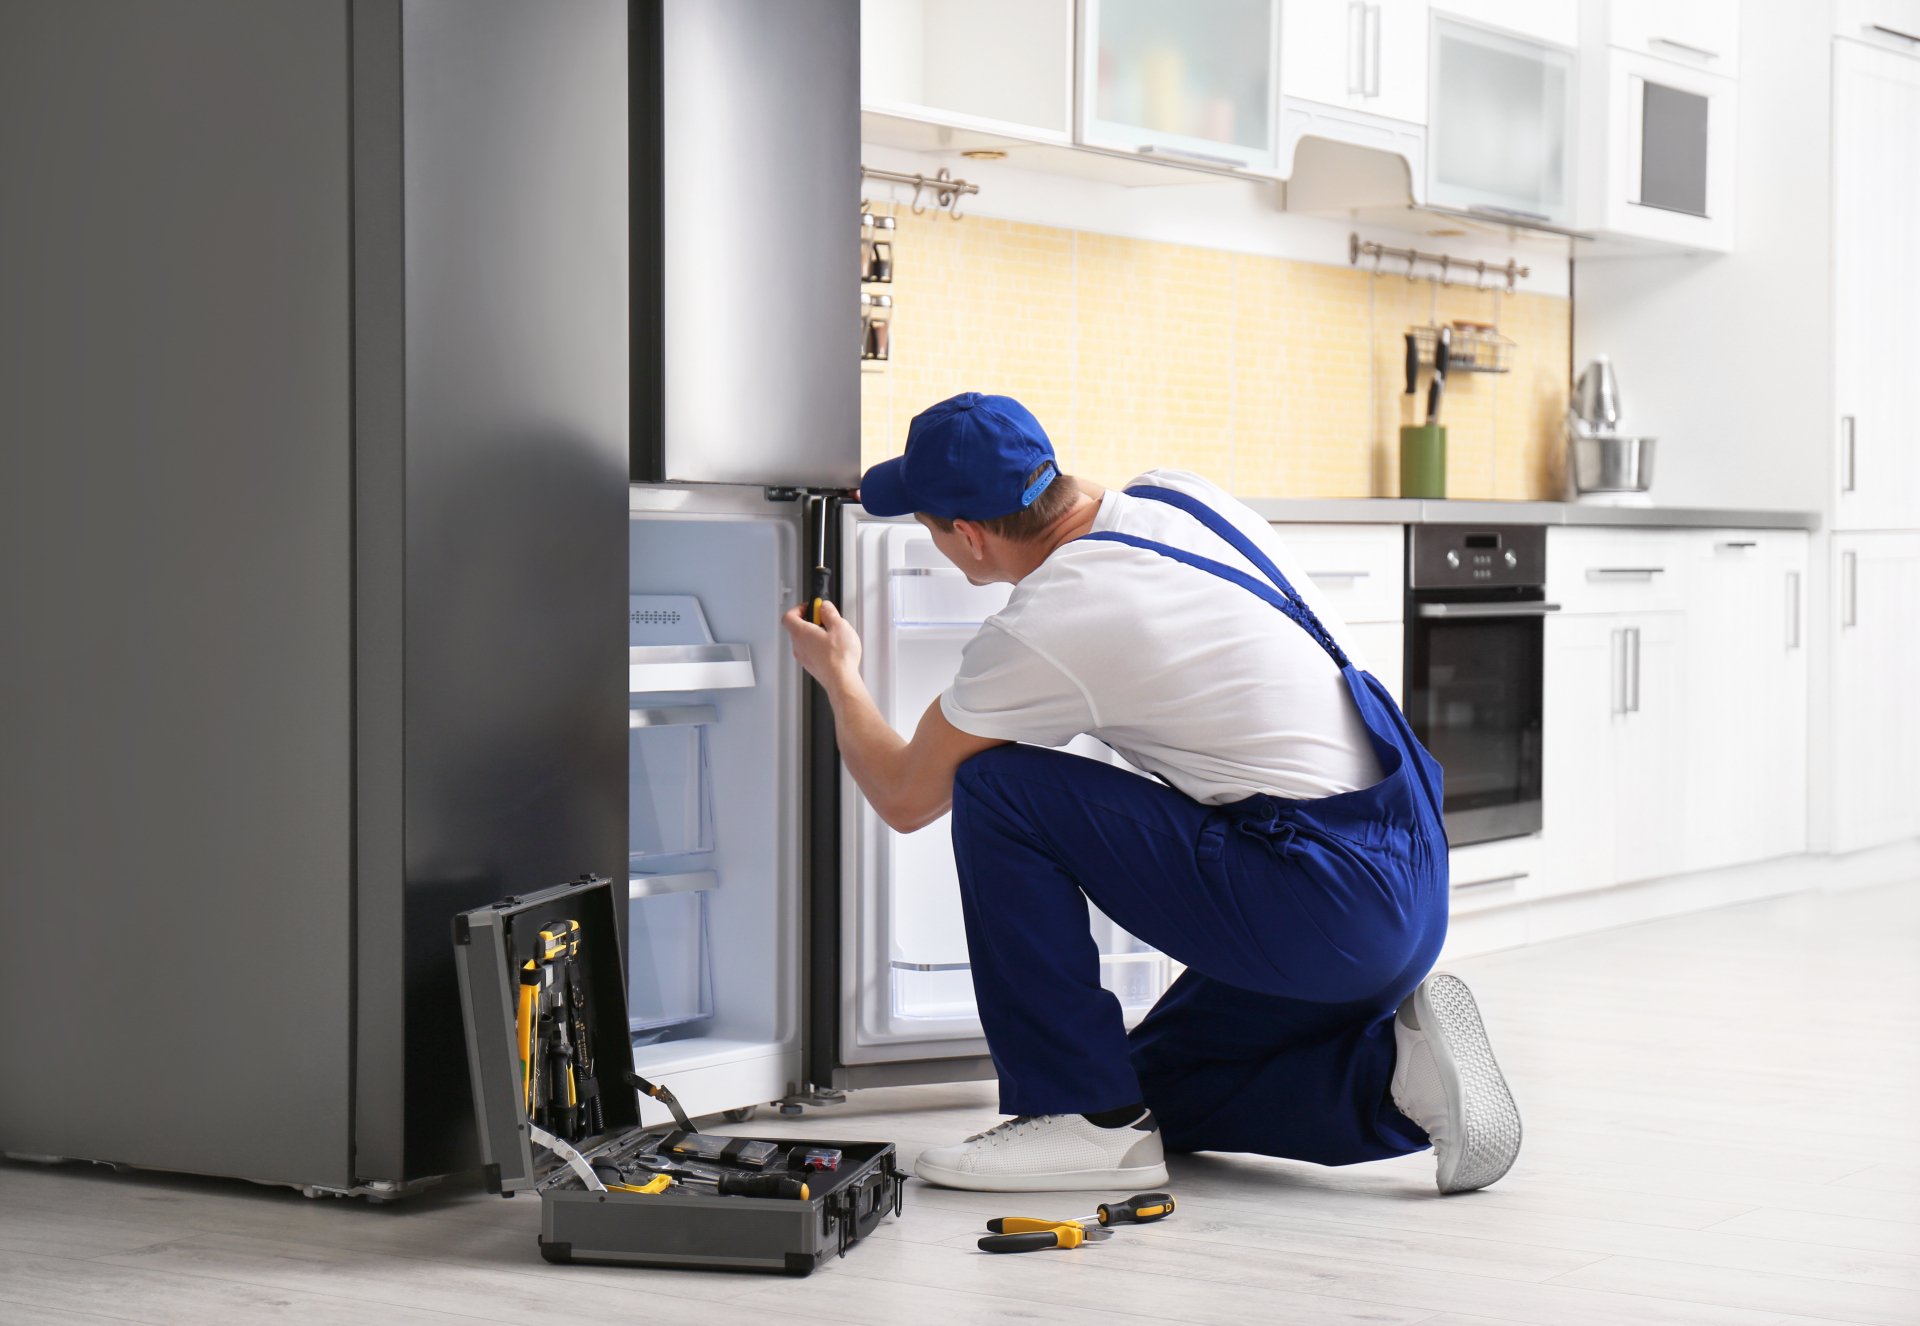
{"x": 1187, "y": 675}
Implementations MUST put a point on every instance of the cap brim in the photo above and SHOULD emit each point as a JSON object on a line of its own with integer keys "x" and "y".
{"x": 883, "y": 490}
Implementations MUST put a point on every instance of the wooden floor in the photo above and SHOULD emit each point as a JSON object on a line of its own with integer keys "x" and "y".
{"x": 1721, "y": 1114}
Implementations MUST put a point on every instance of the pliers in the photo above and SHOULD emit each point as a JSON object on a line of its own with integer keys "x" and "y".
{"x": 1027, "y": 1234}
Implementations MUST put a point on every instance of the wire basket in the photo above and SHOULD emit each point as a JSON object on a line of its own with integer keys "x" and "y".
{"x": 1477, "y": 347}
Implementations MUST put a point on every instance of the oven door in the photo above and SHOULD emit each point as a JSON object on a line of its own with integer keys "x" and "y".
{"x": 1473, "y": 695}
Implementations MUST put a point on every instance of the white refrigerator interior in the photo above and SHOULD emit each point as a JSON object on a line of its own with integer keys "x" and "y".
{"x": 714, "y": 798}
{"x": 908, "y": 988}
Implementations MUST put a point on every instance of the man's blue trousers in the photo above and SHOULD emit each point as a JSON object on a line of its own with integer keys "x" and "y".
{"x": 1301, "y": 934}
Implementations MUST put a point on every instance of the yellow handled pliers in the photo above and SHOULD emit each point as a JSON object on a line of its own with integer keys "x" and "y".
{"x": 1025, "y": 1234}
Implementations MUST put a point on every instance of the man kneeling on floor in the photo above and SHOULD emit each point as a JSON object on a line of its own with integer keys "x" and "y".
{"x": 1289, "y": 850}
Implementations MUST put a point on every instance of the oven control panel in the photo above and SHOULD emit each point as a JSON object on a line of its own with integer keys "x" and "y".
{"x": 1476, "y": 556}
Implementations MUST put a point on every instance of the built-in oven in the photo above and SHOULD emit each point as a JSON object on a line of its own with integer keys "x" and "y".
{"x": 1476, "y": 611}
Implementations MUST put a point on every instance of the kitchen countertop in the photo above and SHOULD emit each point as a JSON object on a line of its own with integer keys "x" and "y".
{"x": 1419, "y": 511}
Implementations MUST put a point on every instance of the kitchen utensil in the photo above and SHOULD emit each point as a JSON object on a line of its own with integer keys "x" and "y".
{"x": 1442, "y": 350}
{"x": 1596, "y": 398}
{"x": 1610, "y": 463}
{"x": 1413, "y": 364}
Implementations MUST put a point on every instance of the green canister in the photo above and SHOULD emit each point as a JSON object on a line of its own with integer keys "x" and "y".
{"x": 1423, "y": 460}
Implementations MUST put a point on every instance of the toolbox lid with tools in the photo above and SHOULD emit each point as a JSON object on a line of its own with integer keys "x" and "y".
{"x": 543, "y": 997}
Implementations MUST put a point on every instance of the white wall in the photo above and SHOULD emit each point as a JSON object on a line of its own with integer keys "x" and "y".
{"x": 1725, "y": 358}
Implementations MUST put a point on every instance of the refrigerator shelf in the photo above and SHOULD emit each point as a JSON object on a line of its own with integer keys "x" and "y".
{"x": 653, "y": 668}
{"x": 934, "y": 596}
{"x": 685, "y": 881}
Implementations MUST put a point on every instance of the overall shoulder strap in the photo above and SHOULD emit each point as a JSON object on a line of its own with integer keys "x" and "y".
{"x": 1221, "y": 526}
{"x": 1293, "y": 608}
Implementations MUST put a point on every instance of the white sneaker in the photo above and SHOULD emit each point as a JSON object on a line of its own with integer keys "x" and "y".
{"x": 1051, "y": 1153}
{"x": 1445, "y": 1079}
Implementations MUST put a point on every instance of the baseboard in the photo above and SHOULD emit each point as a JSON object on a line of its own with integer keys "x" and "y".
{"x": 1526, "y": 920}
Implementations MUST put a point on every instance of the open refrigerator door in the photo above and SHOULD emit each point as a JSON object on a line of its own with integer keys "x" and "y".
{"x": 715, "y": 795}
{"x": 905, "y": 1007}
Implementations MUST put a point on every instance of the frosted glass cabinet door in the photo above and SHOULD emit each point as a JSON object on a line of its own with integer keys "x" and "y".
{"x": 1499, "y": 138}
{"x": 1178, "y": 79}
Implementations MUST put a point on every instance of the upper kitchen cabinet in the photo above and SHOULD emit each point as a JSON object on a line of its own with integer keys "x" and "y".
{"x": 956, "y": 68}
{"x": 1893, "y": 24}
{"x": 1180, "y": 81}
{"x": 1500, "y": 140}
{"x": 1657, "y": 149}
{"x": 1553, "y": 21}
{"x": 733, "y": 381}
{"x": 1876, "y": 286}
{"x": 1354, "y": 71}
{"x": 1702, "y": 34}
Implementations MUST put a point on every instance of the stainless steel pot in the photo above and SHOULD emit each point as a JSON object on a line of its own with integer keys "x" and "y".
{"x": 1610, "y": 464}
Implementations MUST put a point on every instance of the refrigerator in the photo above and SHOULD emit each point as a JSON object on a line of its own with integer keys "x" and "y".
{"x": 784, "y": 943}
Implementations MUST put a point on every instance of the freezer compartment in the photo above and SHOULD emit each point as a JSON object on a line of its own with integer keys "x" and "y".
{"x": 906, "y": 978}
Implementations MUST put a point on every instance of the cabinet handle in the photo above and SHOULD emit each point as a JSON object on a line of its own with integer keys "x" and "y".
{"x": 1700, "y": 51}
{"x": 1616, "y": 671}
{"x": 1892, "y": 32}
{"x": 1793, "y": 610}
{"x": 1633, "y": 642}
{"x": 1317, "y": 576}
{"x": 1187, "y": 154}
{"x": 1356, "y": 48}
{"x": 1847, "y": 454}
{"x": 1373, "y": 22}
{"x": 1739, "y": 543}
{"x": 1490, "y": 880}
{"x": 1850, "y": 578}
{"x": 1624, "y": 572}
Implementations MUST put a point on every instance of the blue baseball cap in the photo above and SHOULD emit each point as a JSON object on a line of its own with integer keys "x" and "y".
{"x": 971, "y": 457}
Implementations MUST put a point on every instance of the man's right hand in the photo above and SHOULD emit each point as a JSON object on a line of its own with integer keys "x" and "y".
{"x": 830, "y": 652}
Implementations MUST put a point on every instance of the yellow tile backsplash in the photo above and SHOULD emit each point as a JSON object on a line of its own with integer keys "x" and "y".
{"x": 1273, "y": 377}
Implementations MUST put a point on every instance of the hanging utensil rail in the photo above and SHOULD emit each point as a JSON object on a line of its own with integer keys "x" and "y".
{"x": 1473, "y": 271}
{"x": 947, "y": 191}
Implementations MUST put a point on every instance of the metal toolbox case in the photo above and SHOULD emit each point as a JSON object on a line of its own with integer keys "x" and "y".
{"x": 681, "y": 1226}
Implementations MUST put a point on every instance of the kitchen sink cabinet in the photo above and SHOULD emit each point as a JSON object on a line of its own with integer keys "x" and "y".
{"x": 1876, "y": 286}
{"x": 1874, "y": 696}
{"x": 1613, "y": 789}
{"x": 1746, "y": 719}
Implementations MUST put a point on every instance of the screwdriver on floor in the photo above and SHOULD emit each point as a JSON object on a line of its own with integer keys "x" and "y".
{"x": 1027, "y": 1234}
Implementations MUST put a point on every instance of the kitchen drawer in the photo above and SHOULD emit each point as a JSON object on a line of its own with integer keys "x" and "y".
{"x": 1358, "y": 571}
{"x": 1617, "y": 570}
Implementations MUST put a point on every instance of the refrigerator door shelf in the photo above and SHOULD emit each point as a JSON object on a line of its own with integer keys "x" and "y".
{"x": 685, "y": 881}
{"x": 669, "y": 964}
{"x": 654, "y": 669}
{"x": 942, "y": 596}
{"x": 943, "y": 991}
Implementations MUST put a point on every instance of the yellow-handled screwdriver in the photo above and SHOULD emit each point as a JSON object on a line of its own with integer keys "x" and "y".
{"x": 1140, "y": 1209}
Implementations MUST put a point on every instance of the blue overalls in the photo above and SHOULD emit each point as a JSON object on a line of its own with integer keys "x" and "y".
{"x": 1302, "y": 925}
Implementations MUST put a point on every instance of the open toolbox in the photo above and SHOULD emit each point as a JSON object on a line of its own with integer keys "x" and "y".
{"x": 543, "y": 996}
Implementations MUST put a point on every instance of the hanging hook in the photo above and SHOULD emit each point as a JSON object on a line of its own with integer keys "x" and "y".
{"x": 1411, "y": 257}
{"x": 1512, "y": 275}
{"x": 919, "y": 183}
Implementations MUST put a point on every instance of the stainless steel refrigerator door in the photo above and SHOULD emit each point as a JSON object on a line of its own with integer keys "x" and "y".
{"x": 905, "y": 992}
{"x": 752, "y": 196}
{"x": 724, "y": 913}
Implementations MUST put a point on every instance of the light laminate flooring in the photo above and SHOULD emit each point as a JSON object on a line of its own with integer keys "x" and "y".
{"x": 1720, "y": 1113}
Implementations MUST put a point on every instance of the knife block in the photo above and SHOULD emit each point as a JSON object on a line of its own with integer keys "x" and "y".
{"x": 1423, "y": 460}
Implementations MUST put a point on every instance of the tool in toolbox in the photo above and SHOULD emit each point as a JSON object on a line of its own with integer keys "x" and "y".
{"x": 542, "y": 989}
{"x": 1028, "y": 1234}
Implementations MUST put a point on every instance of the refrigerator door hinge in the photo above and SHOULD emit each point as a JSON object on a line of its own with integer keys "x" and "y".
{"x": 773, "y": 494}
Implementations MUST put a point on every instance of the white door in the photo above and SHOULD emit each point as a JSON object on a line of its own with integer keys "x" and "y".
{"x": 1669, "y": 161}
{"x": 1581, "y": 707}
{"x": 1703, "y": 33}
{"x": 1746, "y": 717}
{"x": 1556, "y": 21}
{"x": 906, "y": 1006}
{"x": 1184, "y": 81}
{"x": 1876, "y": 291}
{"x": 1398, "y": 87}
{"x": 1876, "y": 689}
{"x": 1500, "y": 140}
{"x": 1650, "y": 754}
{"x": 1364, "y": 55}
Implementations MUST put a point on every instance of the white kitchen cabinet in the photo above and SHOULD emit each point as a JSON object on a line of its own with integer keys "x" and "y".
{"x": 996, "y": 66}
{"x": 1612, "y": 785}
{"x": 1186, "y": 82}
{"x": 1657, "y": 150}
{"x": 1500, "y": 135}
{"x": 1876, "y": 689}
{"x": 1363, "y": 55}
{"x": 1555, "y": 21}
{"x": 1893, "y": 24}
{"x": 1702, "y": 33}
{"x": 1876, "y": 286}
{"x": 1745, "y": 753}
